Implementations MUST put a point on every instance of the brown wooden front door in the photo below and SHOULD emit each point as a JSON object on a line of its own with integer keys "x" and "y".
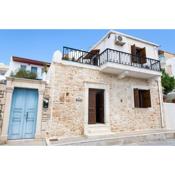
{"x": 96, "y": 106}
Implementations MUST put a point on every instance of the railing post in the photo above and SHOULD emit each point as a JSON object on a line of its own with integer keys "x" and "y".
{"x": 99, "y": 59}
{"x": 63, "y": 53}
{"x": 107, "y": 55}
{"x": 150, "y": 64}
{"x": 119, "y": 58}
{"x": 159, "y": 66}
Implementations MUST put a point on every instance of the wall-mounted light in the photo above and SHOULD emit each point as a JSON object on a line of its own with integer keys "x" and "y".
{"x": 45, "y": 103}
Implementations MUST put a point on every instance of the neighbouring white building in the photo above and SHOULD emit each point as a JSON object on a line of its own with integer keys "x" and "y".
{"x": 167, "y": 61}
{"x": 38, "y": 67}
{"x": 3, "y": 69}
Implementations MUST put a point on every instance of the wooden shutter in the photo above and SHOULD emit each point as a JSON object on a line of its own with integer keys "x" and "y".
{"x": 133, "y": 52}
{"x": 100, "y": 107}
{"x": 136, "y": 98}
{"x": 92, "y": 106}
{"x": 146, "y": 99}
{"x": 143, "y": 55}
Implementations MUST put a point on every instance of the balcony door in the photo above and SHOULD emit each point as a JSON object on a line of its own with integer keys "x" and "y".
{"x": 96, "y": 106}
{"x": 138, "y": 55}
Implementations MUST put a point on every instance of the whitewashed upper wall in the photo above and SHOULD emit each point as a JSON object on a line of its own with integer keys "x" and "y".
{"x": 14, "y": 66}
{"x": 151, "y": 50}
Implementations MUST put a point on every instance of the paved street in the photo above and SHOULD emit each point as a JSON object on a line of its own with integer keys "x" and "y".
{"x": 156, "y": 143}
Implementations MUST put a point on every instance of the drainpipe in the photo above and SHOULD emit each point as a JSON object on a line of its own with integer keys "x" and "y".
{"x": 161, "y": 102}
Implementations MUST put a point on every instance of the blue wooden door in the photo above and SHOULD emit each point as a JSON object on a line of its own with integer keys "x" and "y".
{"x": 23, "y": 115}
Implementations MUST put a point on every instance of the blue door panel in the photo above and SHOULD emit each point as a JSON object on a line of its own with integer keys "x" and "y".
{"x": 16, "y": 116}
{"x": 16, "y": 123}
{"x": 31, "y": 112}
{"x": 23, "y": 113}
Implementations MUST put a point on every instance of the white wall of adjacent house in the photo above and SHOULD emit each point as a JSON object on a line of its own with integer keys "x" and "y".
{"x": 169, "y": 110}
{"x": 109, "y": 42}
{"x": 170, "y": 66}
{"x": 15, "y": 66}
{"x": 3, "y": 70}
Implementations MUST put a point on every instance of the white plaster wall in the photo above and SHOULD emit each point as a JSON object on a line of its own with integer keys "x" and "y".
{"x": 14, "y": 66}
{"x": 151, "y": 50}
{"x": 171, "y": 62}
{"x": 169, "y": 110}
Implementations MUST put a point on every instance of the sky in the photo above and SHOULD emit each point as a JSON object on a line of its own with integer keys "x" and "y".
{"x": 41, "y": 44}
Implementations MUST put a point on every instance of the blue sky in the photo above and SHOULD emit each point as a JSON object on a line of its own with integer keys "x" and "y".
{"x": 40, "y": 44}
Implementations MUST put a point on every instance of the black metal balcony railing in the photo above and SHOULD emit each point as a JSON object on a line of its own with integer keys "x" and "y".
{"x": 110, "y": 55}
{"x": 80, "y": 56}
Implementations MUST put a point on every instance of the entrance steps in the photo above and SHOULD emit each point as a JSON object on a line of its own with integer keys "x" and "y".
{"x": 132, "y": 138}
{"x": 97, "y": 130}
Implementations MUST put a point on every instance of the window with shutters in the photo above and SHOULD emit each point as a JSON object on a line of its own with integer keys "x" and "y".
{"x": 138, "y": 54}
{"x": 142, "y": 98}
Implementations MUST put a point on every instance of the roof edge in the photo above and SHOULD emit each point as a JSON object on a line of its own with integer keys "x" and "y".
{"x": 29, "y": 61}
{"x": 123, "y": 34}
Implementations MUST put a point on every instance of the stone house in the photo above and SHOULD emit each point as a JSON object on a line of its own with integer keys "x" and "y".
{"x": 114, "y": 87}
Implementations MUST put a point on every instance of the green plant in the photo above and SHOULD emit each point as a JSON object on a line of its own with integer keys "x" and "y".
{"x": 168, "y": 82}
{"x": 66, "y": 57}
{"x": 21, "y": 73}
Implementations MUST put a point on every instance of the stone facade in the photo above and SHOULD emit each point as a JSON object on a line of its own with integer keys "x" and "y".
{"x": 2, "y": 103}
{"x": 65, "y": 93}
{"x": 67, "y": 114}
{"x": 46, "y": 113}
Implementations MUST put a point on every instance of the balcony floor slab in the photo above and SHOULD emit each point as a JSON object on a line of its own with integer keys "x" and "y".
{"x": 136, "y": 72}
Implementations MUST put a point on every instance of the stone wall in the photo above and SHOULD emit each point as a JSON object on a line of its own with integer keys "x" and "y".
{"x": 46, "y": 112}
{"x": 68, "y": 113}
{"x": 2, "y": 103}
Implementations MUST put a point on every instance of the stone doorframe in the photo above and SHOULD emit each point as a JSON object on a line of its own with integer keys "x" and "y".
{"x": 105, "y": 87}
{"x": 22, "y": 83}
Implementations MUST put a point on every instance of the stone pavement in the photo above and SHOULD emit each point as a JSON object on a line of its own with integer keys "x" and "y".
{"x": 170, "y": 142}
{"x": 27, "y": 142}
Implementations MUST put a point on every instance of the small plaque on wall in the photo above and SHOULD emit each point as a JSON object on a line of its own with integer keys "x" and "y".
{"x": 79, "y": 99}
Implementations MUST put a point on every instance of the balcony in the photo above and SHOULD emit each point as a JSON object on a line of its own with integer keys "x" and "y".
{"x": 115, "y": 62}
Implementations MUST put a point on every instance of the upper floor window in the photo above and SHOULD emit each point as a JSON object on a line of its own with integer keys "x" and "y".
{"x": 34, "y": 69}
{"x": 23, "y": 67}
{"x": 2, "y": 73}
{"x": 161, "y": 56}
{"x": 142, "y": 98}
{"x": 138, "y": 54}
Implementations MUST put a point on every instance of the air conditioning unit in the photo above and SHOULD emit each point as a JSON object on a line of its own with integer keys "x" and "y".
{"x": 120, "y": 40}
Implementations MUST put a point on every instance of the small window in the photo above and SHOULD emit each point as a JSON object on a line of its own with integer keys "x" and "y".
{"x": 2, "y": 73}
{"x": 142, "y": 98}
{"x": 23, "y": 67}
{"x": 34, "y": 70}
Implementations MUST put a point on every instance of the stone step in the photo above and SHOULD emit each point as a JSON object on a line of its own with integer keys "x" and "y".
{"x": 116, "y": 139}
{"x": 96, "y": 130}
